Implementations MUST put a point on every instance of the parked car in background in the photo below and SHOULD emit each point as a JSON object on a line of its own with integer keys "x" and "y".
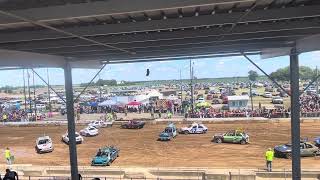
{"x": 277, "y": 100}
{"x": 217, "y": 101}
{"x": 44, "y": 145}
{"x": 267, "y": 95}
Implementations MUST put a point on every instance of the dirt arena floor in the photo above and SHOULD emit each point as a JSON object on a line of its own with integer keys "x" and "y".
{"x": 140, "y": 148}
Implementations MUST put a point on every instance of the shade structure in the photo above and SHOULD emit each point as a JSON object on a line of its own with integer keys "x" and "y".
{"x": 108, "y": 103}
{"x": 134, "y": 103}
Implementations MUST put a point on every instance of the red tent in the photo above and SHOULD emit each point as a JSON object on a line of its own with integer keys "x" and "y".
{"x": 134, "y": 103}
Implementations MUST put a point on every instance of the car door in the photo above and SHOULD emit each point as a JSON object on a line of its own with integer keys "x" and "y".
{"x": 200, "y": 129}
{"x": 228, "y": 137}
{"x": 309, "y": 150}
{"x": 194, "y": 129}
{"x": 303, "y": 150}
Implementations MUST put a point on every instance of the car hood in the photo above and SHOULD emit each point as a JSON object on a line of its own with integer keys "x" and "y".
{"x": 164, "y": 134}
{"x": 99, "y": 159}
{"x": 44, "y": 146}
{"x": 283, "y": 148}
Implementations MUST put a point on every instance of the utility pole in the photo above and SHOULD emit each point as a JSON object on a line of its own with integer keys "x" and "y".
{"x": 49, "y": 98}
{"x": 191, "y": 86}
{"x": 30, "y": 108}
{"x": 251, "y": 99}
{"x": 181, "y": 91}
{"x": 34, "y": 97}
{"x": 24, "y": 90}
{"x": 317, "y": 82}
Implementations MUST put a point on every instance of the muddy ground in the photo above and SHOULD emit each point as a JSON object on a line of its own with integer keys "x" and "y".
{"x": 141, "y": 148}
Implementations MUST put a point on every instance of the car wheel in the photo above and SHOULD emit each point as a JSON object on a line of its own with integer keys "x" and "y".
{"x": 186, "y": 132}
{"x": 288, "y": 155}
{"x": 108, "y": 164}
{"x": 219, "y": 140}
{"x": 242, "y": 142}
{"x": 314, "y": 154}
{"x": 87, "y": 134}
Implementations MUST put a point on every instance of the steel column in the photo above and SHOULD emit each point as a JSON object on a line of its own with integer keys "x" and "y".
{"x": 295, "y": 115}
{"x": 71, "y": 121}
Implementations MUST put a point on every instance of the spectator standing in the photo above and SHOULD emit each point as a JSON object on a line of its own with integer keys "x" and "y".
{"x": 8, "y": 157}
{"x": 269, "y": 159}
{"x": 10, "y": 175}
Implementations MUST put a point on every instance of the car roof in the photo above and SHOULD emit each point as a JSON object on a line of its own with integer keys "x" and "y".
{"x": 43, "y": 138}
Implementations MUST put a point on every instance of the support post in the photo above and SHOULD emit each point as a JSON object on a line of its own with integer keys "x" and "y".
{"x": 295, "y": 115}
{"x": 71, "y": 121}
{"x": 251, "y": 99}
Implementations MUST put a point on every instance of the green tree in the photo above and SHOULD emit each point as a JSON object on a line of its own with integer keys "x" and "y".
{"x": 253, "y": 75}
{"x": 283, "y": 74}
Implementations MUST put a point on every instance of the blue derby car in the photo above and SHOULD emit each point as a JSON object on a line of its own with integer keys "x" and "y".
{"x": 169, "y": 132}
{"x": 105, "y": 156}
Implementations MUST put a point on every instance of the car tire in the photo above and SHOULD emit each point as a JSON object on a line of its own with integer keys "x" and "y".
{"x": 288, "y": 155}
{"x": 219, "y": 140}
{"x": 185, "y": 132}
{"x": 242, "y": 142}
{"x": 108, "y": 164}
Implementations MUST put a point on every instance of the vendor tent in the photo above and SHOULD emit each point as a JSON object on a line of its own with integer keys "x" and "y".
{"x": 108, "y": 103}
{"x": 134, "y": 103}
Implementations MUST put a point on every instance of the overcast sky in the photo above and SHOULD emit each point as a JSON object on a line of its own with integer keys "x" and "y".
{"x": 204, "y": 68}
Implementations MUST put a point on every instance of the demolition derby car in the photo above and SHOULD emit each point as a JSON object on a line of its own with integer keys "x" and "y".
{"x": 169, "y": 132}
{"x": 194, "y": 128}
{"x": 44, "y": 145}
{"x": 89, "y": 131}
{"x": 100, "y": 124}
{"x": 317, "y": 141}
{"x": 105, "y": 156}
{"x": 133, "y": 125}
{"x": 65, "y": 138}
{"x": 306, "y": 149}
{"x": 234, "y": 136}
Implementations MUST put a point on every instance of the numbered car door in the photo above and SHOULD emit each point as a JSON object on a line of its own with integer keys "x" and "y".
{"x": 200, "y": 129}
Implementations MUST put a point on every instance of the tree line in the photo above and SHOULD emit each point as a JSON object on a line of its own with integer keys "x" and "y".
{"x": 283, "y": 74}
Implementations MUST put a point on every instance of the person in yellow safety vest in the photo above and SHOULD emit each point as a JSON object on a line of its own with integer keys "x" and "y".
{"x": 7, "y": 155}
{"x": 169, "y": 115}
{"x": 269, "y": 159}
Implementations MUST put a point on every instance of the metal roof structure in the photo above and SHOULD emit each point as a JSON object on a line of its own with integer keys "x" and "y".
{"x": 89, "y": 33}
{"x": 125, "y": 31}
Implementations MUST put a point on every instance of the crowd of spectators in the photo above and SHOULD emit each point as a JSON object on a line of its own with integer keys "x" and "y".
{"x": 310, "y": 105}
{"x": 218, "y": 113}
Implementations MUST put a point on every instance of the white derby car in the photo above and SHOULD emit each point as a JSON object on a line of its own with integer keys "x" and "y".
{"x": 44, "y": 145}
{"x": 100, "y": 124}
{"x": 79, "y": 138}
{"x": 89, "y": 131}
{"x": 194, "y": 128}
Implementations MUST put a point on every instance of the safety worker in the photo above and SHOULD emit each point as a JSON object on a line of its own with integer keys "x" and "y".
{"x": 7, "y": 155}
{"x": 269, "y": 159}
